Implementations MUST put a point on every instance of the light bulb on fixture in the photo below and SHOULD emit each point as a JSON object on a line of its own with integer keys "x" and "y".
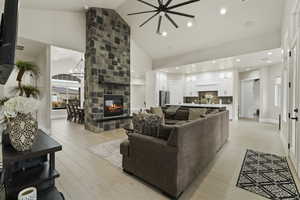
{"x": 189, "y": 24}
{"x": 164, "y": 33}
{"x": 223, "y": 11}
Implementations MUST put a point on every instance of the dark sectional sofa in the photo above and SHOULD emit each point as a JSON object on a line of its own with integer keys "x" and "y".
{"x": 171, "y": 164}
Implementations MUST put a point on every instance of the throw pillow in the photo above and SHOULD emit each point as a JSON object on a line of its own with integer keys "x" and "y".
{"x": 195, "y": 113}
{"x": 151, "y": 125}
{"x": 138, "y": 123}
{"x": 171, "y": 110}
{"x": 158, "y": 111}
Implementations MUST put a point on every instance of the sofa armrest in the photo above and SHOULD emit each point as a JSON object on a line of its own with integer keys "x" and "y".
{"x": 124, "y": 148}
{"x": 154, "y": 161}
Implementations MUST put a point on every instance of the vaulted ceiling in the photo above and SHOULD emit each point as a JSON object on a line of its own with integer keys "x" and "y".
{"x": 244, "y": 19}
{"x": 68, "y": 5}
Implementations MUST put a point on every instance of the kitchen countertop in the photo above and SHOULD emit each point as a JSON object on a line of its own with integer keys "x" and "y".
{"x": 200, "y": 105}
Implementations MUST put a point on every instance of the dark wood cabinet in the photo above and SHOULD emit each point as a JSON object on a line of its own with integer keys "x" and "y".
{"x": 34, "y": 168}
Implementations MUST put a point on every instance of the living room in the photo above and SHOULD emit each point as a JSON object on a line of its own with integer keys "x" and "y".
{"x": 147, "y": 99}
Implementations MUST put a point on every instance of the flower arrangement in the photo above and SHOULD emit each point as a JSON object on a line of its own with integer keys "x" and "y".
{"x": 20, "y": 105}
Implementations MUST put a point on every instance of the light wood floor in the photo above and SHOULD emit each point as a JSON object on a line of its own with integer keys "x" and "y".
{"x": 85, "y": 176}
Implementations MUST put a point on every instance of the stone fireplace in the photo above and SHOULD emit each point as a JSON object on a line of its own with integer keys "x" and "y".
{"x": 107, "y": 71}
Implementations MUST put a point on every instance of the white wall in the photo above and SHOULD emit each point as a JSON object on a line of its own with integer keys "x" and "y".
{"x": 141, "y": 64}
{"x": 269, "y": 112}
{"x": 60, "y": 28}
{"x": 176, "y": 86}
{"x": 43, "y": 61}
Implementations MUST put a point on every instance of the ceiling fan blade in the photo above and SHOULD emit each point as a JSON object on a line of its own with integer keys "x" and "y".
{"x": 159, "y": 24}
{"x": 137, "y": 13}
{"x": 168, "y": 3}
{"x": 181, "y": 14}
{"x": 149, "y": 4}
{"x": 183, "y": 4}
{"x": 149, "y": 19}
{"x": 159, "y": 2}
{"x": 171, "y": 20}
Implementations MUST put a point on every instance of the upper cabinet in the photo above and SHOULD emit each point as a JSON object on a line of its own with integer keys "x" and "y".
{"x": 226, "y": 88}
{"x": 210, "y": 81}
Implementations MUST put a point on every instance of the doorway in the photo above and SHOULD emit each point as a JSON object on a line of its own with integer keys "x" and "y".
{"x": 250, "y": 95}
{"x": 294, "y": 90}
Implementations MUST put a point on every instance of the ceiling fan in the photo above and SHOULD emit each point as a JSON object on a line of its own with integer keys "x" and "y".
{"x": 164, "y": 9}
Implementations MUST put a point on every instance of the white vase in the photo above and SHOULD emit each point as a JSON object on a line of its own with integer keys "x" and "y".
{"x": 28, "y": 194}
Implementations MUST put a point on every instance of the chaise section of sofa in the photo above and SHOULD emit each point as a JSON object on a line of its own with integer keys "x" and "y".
{"x": 172, "y": 164}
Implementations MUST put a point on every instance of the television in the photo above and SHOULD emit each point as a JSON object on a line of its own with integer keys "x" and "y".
{"x": 8, "y": 37}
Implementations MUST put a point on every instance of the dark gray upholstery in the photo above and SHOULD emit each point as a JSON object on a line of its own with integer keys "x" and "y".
{"x": 172, "y": 164}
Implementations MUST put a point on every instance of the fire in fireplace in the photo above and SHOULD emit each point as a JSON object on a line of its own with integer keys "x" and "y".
{"x": 113, "y": 105}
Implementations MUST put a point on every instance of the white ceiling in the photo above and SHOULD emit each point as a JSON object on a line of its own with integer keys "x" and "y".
{"x": 242, "y": 63}
{"x": 68, "y": 5}
{"x": 64, "y": 60}
{"x": 244, "y": 20}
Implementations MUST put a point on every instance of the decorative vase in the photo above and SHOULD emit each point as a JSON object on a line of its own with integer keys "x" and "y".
{"x": 22, "y": 131}
{"x": 28, "y": 194}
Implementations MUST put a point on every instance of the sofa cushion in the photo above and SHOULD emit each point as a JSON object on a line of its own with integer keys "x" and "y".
{"x": 212, "y": 111}
{"x": 171, "y": 110}
{"x": 182, "y": 114}
{"x": 165, "y": 131}
{"x": 196, "y": 113}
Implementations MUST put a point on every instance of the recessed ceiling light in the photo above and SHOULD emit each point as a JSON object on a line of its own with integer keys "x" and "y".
{"x": 177, "y": 68}
{"x": 223, "y": 11}
{"x": 164, "y": 33}
{"x": 270, "y": 53}
{"x": 238, "y": 60}
{"x": 214, "y": 62}
{"x": 189, "y": 24}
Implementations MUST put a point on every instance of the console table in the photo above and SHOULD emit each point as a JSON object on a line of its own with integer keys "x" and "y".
{"x": 41, "y": 174}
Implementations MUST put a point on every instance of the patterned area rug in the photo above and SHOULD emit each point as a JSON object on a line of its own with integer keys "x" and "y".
{"x": 109, "y": 151}
{"x": 267, "y": 175}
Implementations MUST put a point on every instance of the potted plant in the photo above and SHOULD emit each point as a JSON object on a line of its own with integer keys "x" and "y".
{"x": 22, "y": 127}
{"x": 28, "y": 91}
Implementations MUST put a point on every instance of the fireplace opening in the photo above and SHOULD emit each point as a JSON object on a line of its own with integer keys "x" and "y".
{"x": 113, "y": 105}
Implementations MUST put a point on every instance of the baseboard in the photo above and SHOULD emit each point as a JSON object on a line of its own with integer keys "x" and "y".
{"x": 272, "y": 121}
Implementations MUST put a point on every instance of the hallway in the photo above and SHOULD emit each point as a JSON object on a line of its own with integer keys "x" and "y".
{"x": 86, "y": 176}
